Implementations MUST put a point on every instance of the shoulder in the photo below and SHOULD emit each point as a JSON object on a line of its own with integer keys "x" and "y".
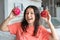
{"x": 15, "y": 23}
{"x": 45, "y": 33}
{"x": 41, "y": 27}
{"x": 44, "y": 30}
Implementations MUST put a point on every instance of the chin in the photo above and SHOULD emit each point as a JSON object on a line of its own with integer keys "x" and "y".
{"x": 29, "y": 22}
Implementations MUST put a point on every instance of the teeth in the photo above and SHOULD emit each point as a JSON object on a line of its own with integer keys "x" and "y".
{"x": 30, "y": 19}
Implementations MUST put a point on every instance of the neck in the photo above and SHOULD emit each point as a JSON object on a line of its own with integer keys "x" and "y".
{"x": 31, "y": 25}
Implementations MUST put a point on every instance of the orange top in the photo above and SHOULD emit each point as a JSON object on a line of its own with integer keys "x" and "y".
{"x": 16, "y": 29}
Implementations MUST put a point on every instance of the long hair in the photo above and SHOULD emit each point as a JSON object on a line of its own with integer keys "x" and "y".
{"x": 24, "y": 23}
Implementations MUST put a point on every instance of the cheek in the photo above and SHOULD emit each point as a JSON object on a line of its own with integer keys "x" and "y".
{"x": 34, "y": 17}
{"x": 26, "y": 17}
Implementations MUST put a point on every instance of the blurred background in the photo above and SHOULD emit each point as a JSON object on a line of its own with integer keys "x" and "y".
{"x": 7, "y": 5}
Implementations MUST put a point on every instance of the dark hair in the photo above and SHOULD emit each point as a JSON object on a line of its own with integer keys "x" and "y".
{"x": 36, "y": 22}
{"x": 44, "y": 7}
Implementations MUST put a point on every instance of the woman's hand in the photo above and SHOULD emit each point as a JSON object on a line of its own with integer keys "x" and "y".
{"x": 11, "y": 16}
{"x": 48, "y": 18}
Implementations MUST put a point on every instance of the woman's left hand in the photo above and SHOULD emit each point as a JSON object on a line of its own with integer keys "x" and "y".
{"x": 48, "y": 18}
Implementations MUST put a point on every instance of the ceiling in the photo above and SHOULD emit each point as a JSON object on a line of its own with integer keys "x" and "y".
{"x": 36, "y": 0}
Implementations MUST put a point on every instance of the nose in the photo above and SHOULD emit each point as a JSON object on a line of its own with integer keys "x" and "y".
{"x": 29, "y": 14}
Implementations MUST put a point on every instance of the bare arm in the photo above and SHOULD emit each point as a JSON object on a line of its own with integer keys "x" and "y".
{"x": 54, "y": 35}
{"x": 4, "y": 24}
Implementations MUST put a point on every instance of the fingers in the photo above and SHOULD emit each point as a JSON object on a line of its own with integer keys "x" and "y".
{"x": 11, "y": 15}
{"x": 44, "y": 18}
{"x": 49, "y": 17}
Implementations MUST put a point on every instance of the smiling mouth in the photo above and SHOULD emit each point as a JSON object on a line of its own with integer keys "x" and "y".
{"x": 30, "y": 19}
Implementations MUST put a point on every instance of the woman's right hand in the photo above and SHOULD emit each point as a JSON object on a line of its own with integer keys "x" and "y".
{"x": 11, "y": 16}
{"x": 15, "y": 11}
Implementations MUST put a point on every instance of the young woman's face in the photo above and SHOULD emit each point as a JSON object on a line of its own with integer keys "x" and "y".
{"x": 30, "y": 16}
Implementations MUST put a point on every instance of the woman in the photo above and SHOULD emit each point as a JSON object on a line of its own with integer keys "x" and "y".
{"x": 29, "y": 28}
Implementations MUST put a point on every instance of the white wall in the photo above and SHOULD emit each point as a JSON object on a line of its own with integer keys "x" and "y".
{"x": 6, "y": 8}
{"x": 8, "y": 4}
